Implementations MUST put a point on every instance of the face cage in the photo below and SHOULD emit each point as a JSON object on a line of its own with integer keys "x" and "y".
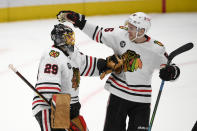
{"x": 69, "y": 38}
{"x": 66, "y": 40}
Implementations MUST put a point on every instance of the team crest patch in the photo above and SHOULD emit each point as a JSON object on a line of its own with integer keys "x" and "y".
{"x": 76, "y": 78}
{"x": 122, "y": 44}
{"x": 159, "y": 43}
{"x": 132, "y": 61}
{"x": 54, "y": 53}
{"x": 123, "y": 27}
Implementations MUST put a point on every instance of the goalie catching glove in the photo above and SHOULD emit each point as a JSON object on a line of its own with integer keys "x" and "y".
{"x": 129, "y": 61}
{"x": 76, "y": 19}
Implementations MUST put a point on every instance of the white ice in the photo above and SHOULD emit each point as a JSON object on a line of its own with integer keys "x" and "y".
{"x": 22, "y": 43}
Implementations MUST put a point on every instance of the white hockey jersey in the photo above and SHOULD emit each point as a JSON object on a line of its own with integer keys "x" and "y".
{"x": 133, "y": 86}
{"x": 55, "y": 74}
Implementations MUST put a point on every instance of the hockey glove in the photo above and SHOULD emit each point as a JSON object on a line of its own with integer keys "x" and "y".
{"x": 112, "y": 63}
{"x": 76, "y": 19}
{"x": 169, "y": 72}
{"x": 129, "y": 61}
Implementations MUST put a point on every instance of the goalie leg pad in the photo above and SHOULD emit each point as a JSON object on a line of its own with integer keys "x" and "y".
{"x": 60, "y": 111}
{"x": 78, "y": 124}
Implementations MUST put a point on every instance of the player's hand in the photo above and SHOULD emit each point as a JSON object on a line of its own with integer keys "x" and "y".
{"x": 169, "y": 72}
{"x": 112, "y": 63}
{"x": 76, "y": 19}
{"x": 102, "y": 67}
{"x": 115, "y": 63}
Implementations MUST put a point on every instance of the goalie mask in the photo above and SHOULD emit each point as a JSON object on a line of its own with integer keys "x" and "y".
{"x": 63, "y": 36}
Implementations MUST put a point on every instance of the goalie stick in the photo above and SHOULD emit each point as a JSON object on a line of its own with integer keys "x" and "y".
{"x": 173, "y": 54}
{"x": 29, "y": 84}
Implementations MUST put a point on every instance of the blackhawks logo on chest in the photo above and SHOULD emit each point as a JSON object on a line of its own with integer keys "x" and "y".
{"x": 132, "y": 61}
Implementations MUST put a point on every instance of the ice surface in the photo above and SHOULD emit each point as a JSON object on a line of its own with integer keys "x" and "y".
{"x": 22, "y": 43}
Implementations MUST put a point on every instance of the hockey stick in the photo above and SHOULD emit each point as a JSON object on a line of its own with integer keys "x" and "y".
{"x": 176, "y": 52}
{"x": 29, "y": 84}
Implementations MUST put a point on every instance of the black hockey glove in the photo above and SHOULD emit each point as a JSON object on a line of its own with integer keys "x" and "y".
{"x": 76, "y": 19}
{"x": 169, "y": 72}
{"x": 102, "y": 65}
{"x": 74, "y": 110}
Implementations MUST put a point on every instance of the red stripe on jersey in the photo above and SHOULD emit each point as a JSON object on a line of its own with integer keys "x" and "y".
{"x": 97, "y": 36}
{"x": 50, "y": 88}
{"x": 90, "y": 66}
{"x": 37, "y": 101}
{"x": 54, "y": 98}
{"x": 127, "y": 87}
{"x": 45, "y": 120}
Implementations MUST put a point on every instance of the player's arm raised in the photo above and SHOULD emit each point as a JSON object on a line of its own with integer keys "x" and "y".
{"x": 95, "y": 32}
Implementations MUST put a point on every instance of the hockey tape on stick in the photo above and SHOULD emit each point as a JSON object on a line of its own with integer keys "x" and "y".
{"x": 29, "y": 84}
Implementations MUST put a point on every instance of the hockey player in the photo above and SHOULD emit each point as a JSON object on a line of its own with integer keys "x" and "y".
{"x": 59, "y": 72}
{"x": 131, "y": 90}
{"x": 195, "y": 127}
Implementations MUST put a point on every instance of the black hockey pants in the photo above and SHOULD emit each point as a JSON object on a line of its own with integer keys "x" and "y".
{"x": 117, "y": 111}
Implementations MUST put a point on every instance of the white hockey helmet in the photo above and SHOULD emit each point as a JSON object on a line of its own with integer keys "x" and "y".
{"x": 140, "y": 20}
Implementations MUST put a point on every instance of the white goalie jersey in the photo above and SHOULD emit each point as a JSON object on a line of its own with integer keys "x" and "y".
{"x": 55, "y": 75}
{"x": 135, "y": 84}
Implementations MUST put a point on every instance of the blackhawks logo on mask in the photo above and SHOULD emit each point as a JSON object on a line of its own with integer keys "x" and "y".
{"x": 54, "y": 53}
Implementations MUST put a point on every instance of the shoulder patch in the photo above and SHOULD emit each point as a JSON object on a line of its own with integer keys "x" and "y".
{"x": 122, "y": 44}
{"x": 159, "y": 43}
{"x": 54, "y": 53}
{"x": 123, "y": 27}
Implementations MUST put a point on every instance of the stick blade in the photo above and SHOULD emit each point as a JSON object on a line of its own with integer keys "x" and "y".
{"x": 180, "y": 50}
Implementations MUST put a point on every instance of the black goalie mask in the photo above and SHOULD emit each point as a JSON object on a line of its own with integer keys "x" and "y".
{"x": 63, "y": 36}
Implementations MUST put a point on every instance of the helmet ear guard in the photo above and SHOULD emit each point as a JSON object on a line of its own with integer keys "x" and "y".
{"x": 63, "y": 36}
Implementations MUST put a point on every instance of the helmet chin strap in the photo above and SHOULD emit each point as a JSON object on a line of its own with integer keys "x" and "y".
{"x": 136, "y": 35}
